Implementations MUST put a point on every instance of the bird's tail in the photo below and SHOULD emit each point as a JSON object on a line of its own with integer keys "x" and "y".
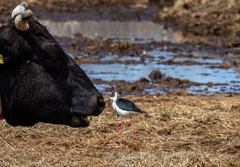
{"x": 145, "y": 112}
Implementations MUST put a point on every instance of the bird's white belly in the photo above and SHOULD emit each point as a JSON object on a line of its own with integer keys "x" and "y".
{"x": 123, "y": 113}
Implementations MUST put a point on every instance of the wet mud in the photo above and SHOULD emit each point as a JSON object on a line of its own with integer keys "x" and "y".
{"x": 99, "y": 50}
{"x": 203, "y": 17}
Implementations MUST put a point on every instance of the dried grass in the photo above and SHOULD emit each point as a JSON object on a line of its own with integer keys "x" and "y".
{"x": 179, "y": 131}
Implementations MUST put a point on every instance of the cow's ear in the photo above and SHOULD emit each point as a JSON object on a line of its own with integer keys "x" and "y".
{"x": 54, "y": 51}
{"x": 42, "y": 52}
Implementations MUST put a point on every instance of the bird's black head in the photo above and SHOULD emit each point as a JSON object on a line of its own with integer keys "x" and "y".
{"x": 113, "y": 94}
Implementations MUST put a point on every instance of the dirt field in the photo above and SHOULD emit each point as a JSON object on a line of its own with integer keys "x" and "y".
{"x": 179, "y": 131}
{"x": 204, "y": 16}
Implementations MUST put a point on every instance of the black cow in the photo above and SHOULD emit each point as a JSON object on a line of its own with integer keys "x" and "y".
{"x": 39, "y": 82}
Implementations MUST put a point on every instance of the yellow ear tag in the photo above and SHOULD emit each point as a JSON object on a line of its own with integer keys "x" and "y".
{"x": 1, "y": 59}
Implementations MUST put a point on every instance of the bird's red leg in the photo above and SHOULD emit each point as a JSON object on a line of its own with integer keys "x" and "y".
{"x": 114, "y": 135}
{"x": 132, "y": 134}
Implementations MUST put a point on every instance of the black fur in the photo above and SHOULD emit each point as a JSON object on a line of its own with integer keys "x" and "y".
{"x": 39, "y": 82}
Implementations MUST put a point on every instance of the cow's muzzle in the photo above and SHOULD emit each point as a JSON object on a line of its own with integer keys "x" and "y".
{"x": 97, "y": 104}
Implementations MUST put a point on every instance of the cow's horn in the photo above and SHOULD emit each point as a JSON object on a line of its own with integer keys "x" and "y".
{"x": 21, "y": 21}
{"x": 19, "y": 9}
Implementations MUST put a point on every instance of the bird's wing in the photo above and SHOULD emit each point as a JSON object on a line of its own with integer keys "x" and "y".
{"x": 128, "y": 105}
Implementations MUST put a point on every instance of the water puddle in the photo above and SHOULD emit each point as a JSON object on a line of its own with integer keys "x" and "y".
{"x": 133, "y": 72}
{"x": 195, "y": 73}
{"x": 130, "y": 31}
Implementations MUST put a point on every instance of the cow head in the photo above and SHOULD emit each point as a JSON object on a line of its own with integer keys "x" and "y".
{"x": 39, "y": 82}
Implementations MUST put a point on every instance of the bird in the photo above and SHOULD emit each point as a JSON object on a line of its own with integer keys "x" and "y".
{"x": 125, "y": 108}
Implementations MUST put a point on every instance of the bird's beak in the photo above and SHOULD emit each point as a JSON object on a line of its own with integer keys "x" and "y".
{"x": 108, "y": 100}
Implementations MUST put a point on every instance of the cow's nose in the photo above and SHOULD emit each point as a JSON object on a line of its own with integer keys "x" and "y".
{"x": 98, "y": 103}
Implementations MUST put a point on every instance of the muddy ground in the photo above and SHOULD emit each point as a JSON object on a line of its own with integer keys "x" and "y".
{"x": 90, "y": 50}
{"x": 204, "y": 16}
{"x": 182, "y": 129}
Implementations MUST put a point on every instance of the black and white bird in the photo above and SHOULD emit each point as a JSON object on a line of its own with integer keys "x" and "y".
{"x": 125, "y": 108}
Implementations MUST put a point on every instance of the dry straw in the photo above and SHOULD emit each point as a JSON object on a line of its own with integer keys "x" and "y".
{"x": 179, "y": 131}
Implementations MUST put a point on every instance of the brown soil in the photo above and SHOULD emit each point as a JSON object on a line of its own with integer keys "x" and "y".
{"x": 204, "y": 16}
{"x": 179, "y": 131}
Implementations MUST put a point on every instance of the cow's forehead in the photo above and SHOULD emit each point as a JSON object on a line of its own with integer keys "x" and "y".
{"x": 7, "y": 31}
{"x": 10, "y": 27}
